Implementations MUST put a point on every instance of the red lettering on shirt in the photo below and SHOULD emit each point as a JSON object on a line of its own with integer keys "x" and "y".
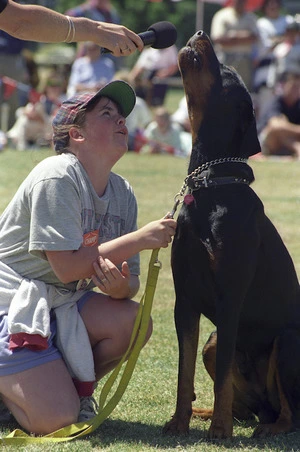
{"x": 91, "y": 238}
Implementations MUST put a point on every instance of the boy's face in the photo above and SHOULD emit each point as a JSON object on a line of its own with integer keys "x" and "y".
{"x": 105, "y": 128}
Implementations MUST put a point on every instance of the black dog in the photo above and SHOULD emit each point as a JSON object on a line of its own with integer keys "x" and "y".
{"x": 230, "y": 264}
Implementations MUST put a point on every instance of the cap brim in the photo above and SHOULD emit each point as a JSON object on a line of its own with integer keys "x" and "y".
{"x": 121, "y": 93}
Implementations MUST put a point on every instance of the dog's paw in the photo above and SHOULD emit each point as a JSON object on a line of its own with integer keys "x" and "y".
{"x": 220, "y": 430}
{"x": 264, "y": 430}
{"x": 177, "y": 426}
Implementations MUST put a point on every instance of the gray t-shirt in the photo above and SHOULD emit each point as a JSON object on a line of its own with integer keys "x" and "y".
{"x": 56, "y": 208}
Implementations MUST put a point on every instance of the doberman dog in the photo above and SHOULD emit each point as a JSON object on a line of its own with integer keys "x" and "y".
{"x": 230, "y": 264}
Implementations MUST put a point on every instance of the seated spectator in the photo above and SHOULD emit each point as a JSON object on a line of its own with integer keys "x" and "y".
{"x": 139, "y": 117}
{"x": 287, "y": 53}
{"x": 53, "y": 94}
{"x": 181, "y": 116}
{"x": 272, "y": 27}
{"x": 90, "y": 72}
{"x": 99, "y": 10}
{"x": 137, "y": 121}
{"x": 234, "y": 33}
{"x": 279, "y": 129}
{"x": 150, "y": 72}
{"x": 13, "y": 65}
{"x": 163, "y": 137}
{"x": 32, "y": 127}
{"x": 3, "y": 140}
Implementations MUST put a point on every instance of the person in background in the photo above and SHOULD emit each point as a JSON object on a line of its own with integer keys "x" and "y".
{"x": 91, "y": 71}
{"x": 138, "y": 119}
{"x": 3, "y": 140}
{"x": 37, "y": 23}
{"x": 13, "y": 65}
{"x": 53, "y": 93}
{"x": 151, "y": 71}
{"x": 98, "y": 10}
{"x": 287, "y": 53}
{"x": 181, "y": 116}
{"x": 31, "y": 128}
{"x": 161, "y": 136}
{"x": 279, "y": 128}
{"x": 71, "y": 226}
{"x": 272, "y": 27}
{"x": 234, "y": 33}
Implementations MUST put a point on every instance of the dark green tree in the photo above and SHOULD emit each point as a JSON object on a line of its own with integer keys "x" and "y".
{"x": 138, "y": 15}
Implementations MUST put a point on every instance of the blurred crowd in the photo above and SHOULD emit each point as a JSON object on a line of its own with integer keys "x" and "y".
{"x": 263, "y": 46}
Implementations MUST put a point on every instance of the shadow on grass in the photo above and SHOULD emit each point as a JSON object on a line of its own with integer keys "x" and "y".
{"x": 115, "y": 432}
{"x": 133, "y": 433}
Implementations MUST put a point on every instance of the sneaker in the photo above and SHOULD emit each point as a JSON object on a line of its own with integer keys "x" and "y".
{"x": 88, "y": 408}
{"x": 5, "y": 414}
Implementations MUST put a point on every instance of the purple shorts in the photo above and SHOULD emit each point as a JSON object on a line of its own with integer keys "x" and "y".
{"x": 12, "y": 362}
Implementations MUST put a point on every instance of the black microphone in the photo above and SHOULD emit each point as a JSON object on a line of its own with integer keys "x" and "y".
{"x": 159, "y": 35}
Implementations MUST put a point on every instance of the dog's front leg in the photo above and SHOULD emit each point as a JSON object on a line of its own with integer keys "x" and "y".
{"x": 222, "y": 424}
{"x": 187, "y": 327}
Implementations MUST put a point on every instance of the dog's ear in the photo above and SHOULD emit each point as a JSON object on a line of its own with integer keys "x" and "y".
{"x": 250, "y": 144}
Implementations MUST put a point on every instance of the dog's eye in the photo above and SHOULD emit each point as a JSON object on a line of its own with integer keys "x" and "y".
{"x": 197, "y": 62}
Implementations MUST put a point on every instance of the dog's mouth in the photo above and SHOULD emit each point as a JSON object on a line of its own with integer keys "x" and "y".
{"x": 189, "y": 56}
{"x": 197, "y": 51}
{"x": 200, "y": 71}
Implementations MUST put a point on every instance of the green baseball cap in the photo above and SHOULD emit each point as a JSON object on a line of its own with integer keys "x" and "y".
{"x": 118, "y": 91}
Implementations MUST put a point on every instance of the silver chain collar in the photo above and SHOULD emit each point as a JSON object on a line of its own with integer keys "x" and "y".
{"x": 179, "y": 197}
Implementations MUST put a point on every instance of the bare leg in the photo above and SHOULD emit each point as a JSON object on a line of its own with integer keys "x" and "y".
{"x": 281, "y": 134}
{"x": 42, "y": 399}
{"x": 109, "y": 323}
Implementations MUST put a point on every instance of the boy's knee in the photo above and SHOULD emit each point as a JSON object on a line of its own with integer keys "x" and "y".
{"x": 46, "y": 425}
{"x": 47, "y": 420}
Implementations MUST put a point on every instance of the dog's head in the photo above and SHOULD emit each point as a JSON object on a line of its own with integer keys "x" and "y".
{"x": 219, "y": 104}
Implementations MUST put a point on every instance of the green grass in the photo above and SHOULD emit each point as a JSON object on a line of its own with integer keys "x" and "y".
{"x": 149, "y": 401}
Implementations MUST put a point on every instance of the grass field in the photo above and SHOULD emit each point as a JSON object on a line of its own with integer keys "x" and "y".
{"x": 149, "y": 401}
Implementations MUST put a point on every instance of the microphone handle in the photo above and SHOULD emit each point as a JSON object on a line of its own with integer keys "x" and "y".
{"x": 148, "y": 37}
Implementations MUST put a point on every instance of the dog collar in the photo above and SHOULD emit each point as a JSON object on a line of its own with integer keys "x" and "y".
{"x": 198, "y": 182}
{"x": 195, "y": 178}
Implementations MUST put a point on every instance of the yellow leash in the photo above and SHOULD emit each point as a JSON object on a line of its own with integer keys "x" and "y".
{"x": 74, "y": 431}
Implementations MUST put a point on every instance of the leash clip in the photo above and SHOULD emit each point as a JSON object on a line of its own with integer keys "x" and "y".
{"x": 177, "y": 202}
{"x": 158, "y": 264}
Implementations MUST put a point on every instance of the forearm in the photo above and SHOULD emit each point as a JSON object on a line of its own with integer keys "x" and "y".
{"x": 37, "y": 23}
{"x": 75, "y": 265}
{"x": 282, "y": 125}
